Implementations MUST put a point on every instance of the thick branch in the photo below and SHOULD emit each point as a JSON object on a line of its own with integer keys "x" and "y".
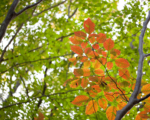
{"x": 133, "y": 99}
{"x": 146, "y": 55}
{"x": 10, "y": 15}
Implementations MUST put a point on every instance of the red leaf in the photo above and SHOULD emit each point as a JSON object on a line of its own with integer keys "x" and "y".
{"x": 80, "y": 34}
{"x": 83, "y": 58}
{"x": 91, "y": 108}
{"x": 101, "y": 38}
{"x": 93, "y": 78}
{"x": 108, "y": 44}
{"x": 87, "y": 50}
{"x": 109, "y": 65}
{"x": 84, "y": 82}
{"x": 103, "y": 103}
{"x": 111, "y": 113}
{"x": 122, "y": 63}
{"x": 93, "y": 35}
{"x": 95, "y": 46}
{"x": 75, "y": 40}
{"x": 77, "y": 49}
{"x": 124, "y": 73}
{"x": 80, "y": 100}
{"x": 97, "y": 88}
{"x": 83, "y": 44}
{"x": 89, "y": 26}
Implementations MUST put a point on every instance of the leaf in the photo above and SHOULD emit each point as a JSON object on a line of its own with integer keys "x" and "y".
{"x": 109, "y": 96}
{"x": 83, "y": 44}
{"x": 103, "y": 103}
{"x": 91, "y": 108}
{"x": 122, "y": 63}
{"x": 80, "y": 100}
{"x": 96, "y": 88}
{"x": 86, "y": 64}
{"x": 146, "y": 89}
{"x": 78, "y": 72}
{"x": 77, "y": 49}
{"x": 83, "y": 58}
{"x": 124, "y": 73}
{"x": 86, "y": 72}
{"x": 84, "y": 82}
{"x": 89, "y": 26}
{"x": 108, "y": 44}
{"x": 111, "y": 113}
{"x": 96, "y": 46}
{"x": 75, "y": 83}
{"x": 75, "y": 40}
{"x": 40, "y": 117}
{"x": 96, "y": 64}
{"x": 101, "y": 38}
{"x": 99, "y": 72}
{"x": 87, "y": 50}
{"x": 109, "y": 65}
{"x": 80, "y": 34}
{"x": 121, "y": 105}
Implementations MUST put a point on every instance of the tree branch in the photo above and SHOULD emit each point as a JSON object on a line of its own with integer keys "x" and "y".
{"x": 143, "y": 98}
{"x": 1, "y": 58}
{"x": 146, "y": 55}
{"x": 10, "y": 15}
{"x": 27, "y": 7}
{"x": 133, "y": 99}
{"x": 50, "y": 8}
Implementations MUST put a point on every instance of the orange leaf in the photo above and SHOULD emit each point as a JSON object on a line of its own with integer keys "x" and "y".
{"x": 109, "y": 96}
{"x": 103, "y": 103}
{"x": 93, "y": 35}
{"x": 121, "y": 105}
{"x": 99, "y": 72}
{"x": 108, "y": 44}
{"x": 75, "y": 40}
{"x": 144, "y": 114}
{"x": 122, "y": 63}
{"x": 124, "y": 73}
{"x": 78, "y": 72}
{"x": 96, "y": 64}
{"x": 75, "y": 83}
{"x": 101, "y": 38}
{"x": 86, "y": 64}
{"x": 80, "y": 34}
{"x": 111, "y": 113}
{"x": 109, "y": 65}
{"x": 92, "y": 107}
{"x": 80, "y": 100}
{"x": 146, "y": 89}
{"x": 92, "y": 39}
{"x": 115, "y": 52}
{"x": 138, "y": 117}
{"x": 95, "y": 46}
{"x": 86, "y": 72}
{"x": 89, "y": 26}
{"x": 83, "y": 44}
{"x": 97, "y": 88}
{"x": 77, "y": 49}
{"x": 84, "y": 82}
{"x": 102, "y": 61}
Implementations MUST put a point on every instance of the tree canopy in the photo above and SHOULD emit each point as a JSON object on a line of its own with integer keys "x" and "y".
{"x": 40, "y": 67}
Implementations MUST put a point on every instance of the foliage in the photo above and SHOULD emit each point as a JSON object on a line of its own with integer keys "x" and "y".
{"x": 36, "y": 58}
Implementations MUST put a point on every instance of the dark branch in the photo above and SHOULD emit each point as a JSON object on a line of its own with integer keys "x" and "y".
{"x": 10, "y": 15}
{"x": 27, "y": 7}
{"x": 145, "y": 97}
{"x": 146, "y": 55}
